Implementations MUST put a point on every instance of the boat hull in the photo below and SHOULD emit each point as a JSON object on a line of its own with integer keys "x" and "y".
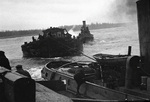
{"x": 50, "y": 47}
{"x": 86, "y": 38}
{"x": 88, "y": 89}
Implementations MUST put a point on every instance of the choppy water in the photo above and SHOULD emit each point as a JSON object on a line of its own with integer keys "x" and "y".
{"x": 109, "y": 41}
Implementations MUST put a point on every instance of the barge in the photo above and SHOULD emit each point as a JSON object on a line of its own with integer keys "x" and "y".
{"x": 55, "y": 42}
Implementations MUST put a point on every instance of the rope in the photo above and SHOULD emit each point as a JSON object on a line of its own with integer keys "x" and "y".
{"x": 75, "y": 50}
{"x": 145, "y": 71}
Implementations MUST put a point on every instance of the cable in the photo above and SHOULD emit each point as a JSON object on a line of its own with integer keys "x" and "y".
{"x": 145, "y": 71}
{"x": 76, "y": 50}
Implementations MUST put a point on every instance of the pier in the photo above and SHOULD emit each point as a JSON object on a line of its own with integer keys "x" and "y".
{"x": 18, "y": 88}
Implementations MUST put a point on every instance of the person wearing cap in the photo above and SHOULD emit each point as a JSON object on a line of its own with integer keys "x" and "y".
{"x": 20, "y": 70}
{"x": 4, "y": 62}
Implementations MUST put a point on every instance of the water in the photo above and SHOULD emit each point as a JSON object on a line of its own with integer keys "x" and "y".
{"x": 109, "y": 41}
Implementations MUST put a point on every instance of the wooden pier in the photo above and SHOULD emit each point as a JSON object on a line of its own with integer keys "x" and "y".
{"x": 18, "y": 88}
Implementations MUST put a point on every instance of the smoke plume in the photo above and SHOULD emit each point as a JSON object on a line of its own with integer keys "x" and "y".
{"x": 124, "y": 10}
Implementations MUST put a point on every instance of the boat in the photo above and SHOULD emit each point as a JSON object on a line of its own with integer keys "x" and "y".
{"x": 100, "y": 85}
{"x": 85, "y": 36}
{"x": 109, "y": 59}
{"x": 55, "y": 42}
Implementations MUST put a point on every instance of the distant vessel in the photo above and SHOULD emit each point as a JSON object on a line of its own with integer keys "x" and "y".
{"x": 55, "y": 42}
{"x": 85, "y": 35}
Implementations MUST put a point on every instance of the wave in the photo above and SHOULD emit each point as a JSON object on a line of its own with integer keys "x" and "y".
{"x": 36, "y": 73}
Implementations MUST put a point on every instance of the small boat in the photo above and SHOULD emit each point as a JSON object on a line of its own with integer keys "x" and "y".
{"x": 55, "y": 42}
{"x": 95, "y": 87}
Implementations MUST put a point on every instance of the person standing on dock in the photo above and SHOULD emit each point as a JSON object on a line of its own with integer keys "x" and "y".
{"x": 20, "y": 70}
{"x": 4, "y": 62}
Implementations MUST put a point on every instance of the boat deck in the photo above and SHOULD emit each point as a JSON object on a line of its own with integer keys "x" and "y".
{"x": 137, "y": 92}
{"x": 71, "y": 94}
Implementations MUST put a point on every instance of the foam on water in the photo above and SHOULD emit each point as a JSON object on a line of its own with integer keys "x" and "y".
{"x": 36, "y": 73}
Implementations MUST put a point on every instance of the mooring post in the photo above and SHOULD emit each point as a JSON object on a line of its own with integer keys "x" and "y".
{"x": 143, "y": 10}
{"x": 129, "y": 50}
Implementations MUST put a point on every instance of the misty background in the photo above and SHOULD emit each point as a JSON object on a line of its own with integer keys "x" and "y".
{"x": 39, "y": 14}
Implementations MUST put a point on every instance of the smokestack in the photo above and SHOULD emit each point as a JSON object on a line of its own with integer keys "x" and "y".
{"x": 84, "y": 23}
{"x": 143, "y": 13}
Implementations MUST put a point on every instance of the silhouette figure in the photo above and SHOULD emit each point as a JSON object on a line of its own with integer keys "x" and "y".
{"x": 4, "y": 62}
{"x": 20, "y": 70}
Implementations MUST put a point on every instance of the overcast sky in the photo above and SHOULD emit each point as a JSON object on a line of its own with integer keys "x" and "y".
{"x": 39, "y": 14}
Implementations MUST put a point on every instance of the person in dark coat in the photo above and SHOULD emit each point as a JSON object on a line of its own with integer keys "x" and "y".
{"x": 79, "y": 78}
{"x": 4, "y": 62}
{"x": 20, "y": 70}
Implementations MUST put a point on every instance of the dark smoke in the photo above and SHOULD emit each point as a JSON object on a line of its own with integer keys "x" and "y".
{"x": 131, "y": 4}
{"x": 125, "y": 10}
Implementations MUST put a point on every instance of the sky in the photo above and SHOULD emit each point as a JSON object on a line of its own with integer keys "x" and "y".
{"x": 41, "y": 14}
